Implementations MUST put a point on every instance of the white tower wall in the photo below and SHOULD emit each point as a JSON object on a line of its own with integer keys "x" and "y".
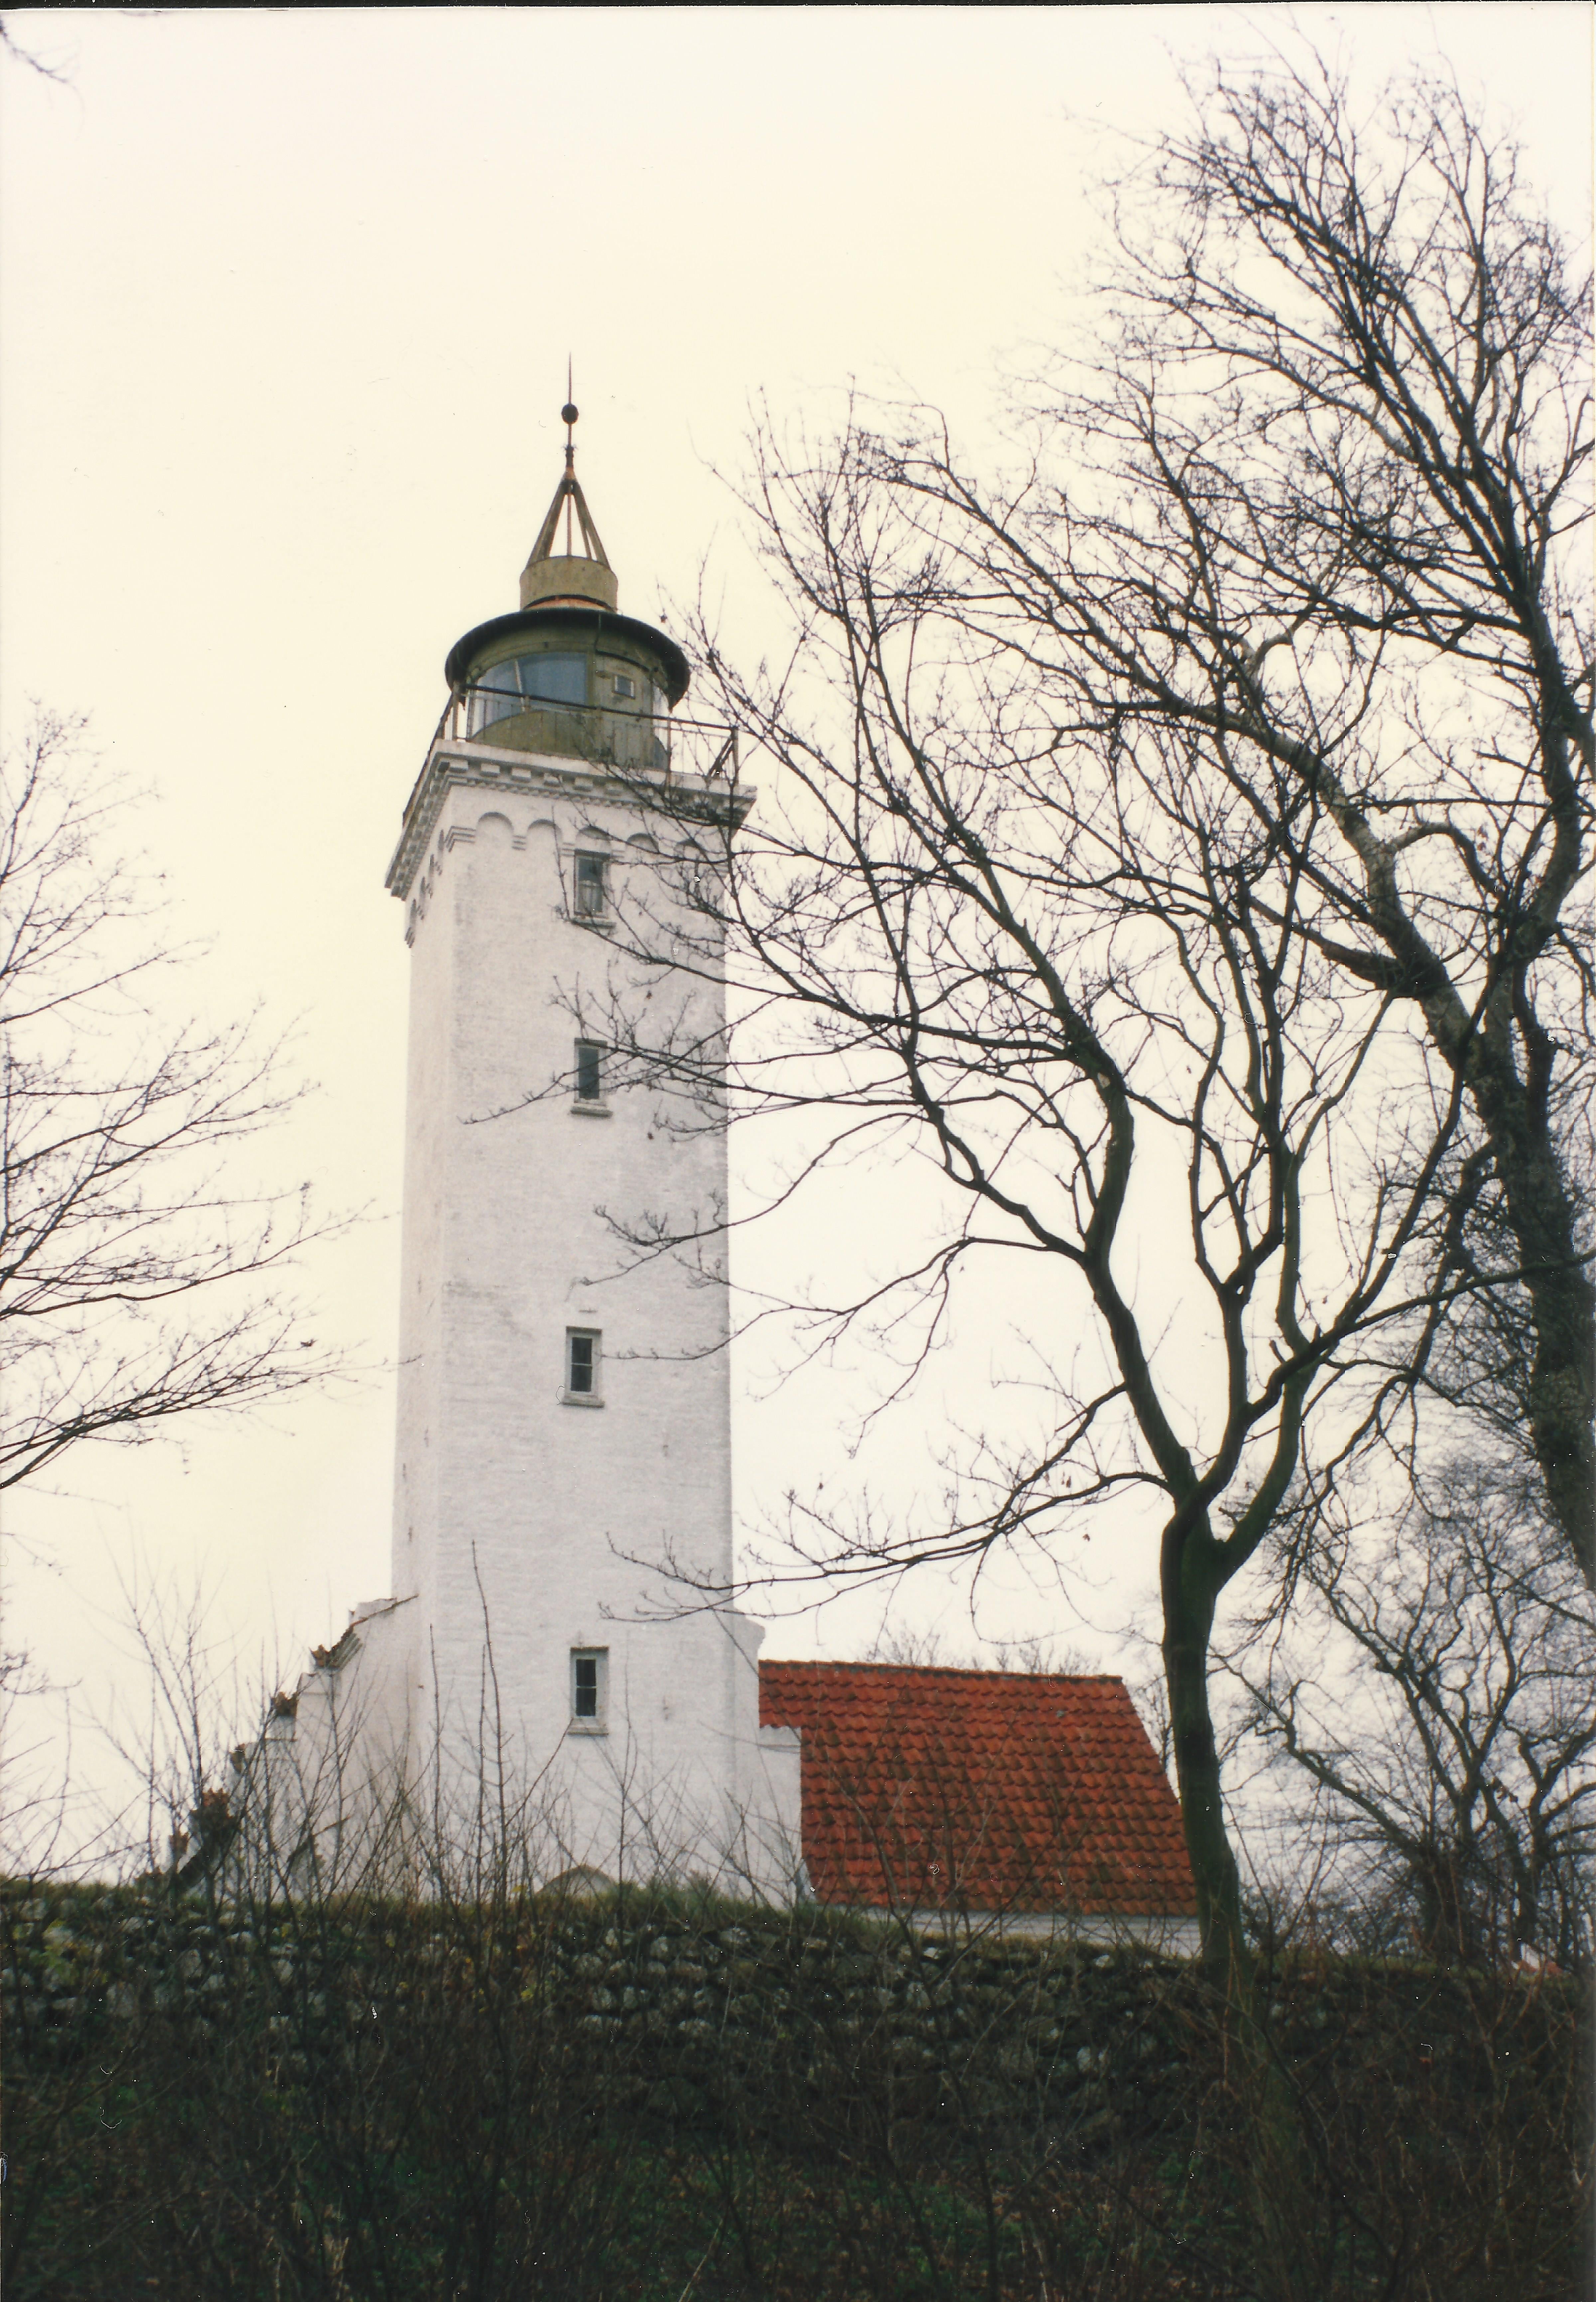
{"x": 527, "y": 1525}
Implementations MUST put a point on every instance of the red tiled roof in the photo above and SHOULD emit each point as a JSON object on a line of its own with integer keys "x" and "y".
{"x": 983, "y": 1790}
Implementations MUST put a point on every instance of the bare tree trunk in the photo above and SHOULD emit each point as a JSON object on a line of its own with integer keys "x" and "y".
{"x": 1277, "y": 2178}
{"x": 1187, "y": 1630}
{"x": 1555, "y": 1277}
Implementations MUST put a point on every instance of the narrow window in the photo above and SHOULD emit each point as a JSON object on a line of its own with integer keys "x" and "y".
{"x": 625, "y": 686}
{"x": 588, "y": 1081}
{"x": 589, "y": 1671}
{"x": 581, "y": 1363}
{"x": 590, "y": 887}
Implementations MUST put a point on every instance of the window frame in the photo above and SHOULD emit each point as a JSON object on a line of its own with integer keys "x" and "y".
{"x": 599, "y": 879}
{"x": 595, "y": 1721}
{"x": 593, "y": 1396}
{"x": 581, "y": 1099}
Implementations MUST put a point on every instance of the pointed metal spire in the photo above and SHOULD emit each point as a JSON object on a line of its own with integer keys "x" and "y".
{"x": 578, "y": 576}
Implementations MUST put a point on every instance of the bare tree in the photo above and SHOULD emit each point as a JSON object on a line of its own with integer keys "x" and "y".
{"x": 1431, "y": 1680}
{"x": 140, "y": 1278}
{"x": 1312, "y": 522}
{"x": 1078, "y": 979}
{"x": 1091, "y": 855}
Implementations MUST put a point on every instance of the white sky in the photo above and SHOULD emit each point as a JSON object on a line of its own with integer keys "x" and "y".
{"x": 284, "y": 309}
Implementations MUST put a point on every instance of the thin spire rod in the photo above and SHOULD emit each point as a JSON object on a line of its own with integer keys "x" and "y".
{"x": 569, "y": 413}
{"x": 582, "y": 568}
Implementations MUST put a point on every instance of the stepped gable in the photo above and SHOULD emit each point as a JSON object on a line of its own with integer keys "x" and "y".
{"x": 979, "y": 1790}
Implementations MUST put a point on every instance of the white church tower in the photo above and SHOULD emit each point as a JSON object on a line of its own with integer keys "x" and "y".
{"x": 564, "y": 1443}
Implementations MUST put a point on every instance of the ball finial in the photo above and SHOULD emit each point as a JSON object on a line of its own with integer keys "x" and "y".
{"x": 568, "y": 414}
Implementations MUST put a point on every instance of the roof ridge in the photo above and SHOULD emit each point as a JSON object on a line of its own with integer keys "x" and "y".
{"x": 950, "y": 1670}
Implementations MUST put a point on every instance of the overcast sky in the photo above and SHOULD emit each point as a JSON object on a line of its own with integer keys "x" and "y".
{"x": 287, "y": 300}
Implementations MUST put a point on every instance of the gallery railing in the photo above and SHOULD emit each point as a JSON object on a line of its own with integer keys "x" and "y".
{"x": 637, "y": 741}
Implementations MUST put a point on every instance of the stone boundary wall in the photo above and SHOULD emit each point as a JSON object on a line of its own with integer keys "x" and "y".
{"x": 687, "y": 2006}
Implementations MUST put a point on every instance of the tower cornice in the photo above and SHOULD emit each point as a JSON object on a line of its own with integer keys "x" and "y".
{"x": 483, "y": 767}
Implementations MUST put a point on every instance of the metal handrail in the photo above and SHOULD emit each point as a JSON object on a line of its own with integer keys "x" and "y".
{"x": 641, "y": 725}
